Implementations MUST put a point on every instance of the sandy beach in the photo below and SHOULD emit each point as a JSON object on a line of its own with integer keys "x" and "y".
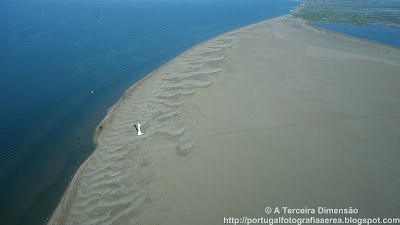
{"x": 274, "y": 114}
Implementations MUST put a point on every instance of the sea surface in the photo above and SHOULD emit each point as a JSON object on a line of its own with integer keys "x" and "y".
{"x": 53, "y": 54}
{"x": 383, "y": 34}
{"x": 384, "y": 10}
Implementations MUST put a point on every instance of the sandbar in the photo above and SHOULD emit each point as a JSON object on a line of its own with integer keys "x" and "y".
{"x": 275, "y": 114}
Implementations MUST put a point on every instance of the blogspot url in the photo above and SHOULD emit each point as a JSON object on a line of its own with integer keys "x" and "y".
{"x": 310, "y": 220}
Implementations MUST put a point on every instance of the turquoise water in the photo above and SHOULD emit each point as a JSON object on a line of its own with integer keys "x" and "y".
{"x": 53, "y": 53}
{"x": 383, "y": 34}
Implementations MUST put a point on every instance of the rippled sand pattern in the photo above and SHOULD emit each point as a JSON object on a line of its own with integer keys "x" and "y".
{"x": 112, "y": 185}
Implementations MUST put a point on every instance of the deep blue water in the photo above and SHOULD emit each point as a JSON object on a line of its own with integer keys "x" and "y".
{"x": 384, "y": 34}
{"x": 53, "y": 53}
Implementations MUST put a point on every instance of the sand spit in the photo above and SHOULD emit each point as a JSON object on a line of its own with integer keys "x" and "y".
{"x": 278, "y": 113}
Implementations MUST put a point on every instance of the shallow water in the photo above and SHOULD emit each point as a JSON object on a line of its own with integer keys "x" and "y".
{"x": 384, "y": 34}
{"x": 384, "y": 10}
{"x": 52, "y": 54}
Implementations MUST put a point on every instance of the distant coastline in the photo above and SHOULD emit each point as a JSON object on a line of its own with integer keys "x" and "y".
{"x": 357, "y": 19}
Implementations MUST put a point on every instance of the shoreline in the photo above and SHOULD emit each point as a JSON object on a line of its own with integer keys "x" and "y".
{"x": 309, "y": 23}
{"x": 111, "y": 112}
{"x": 106, "y": 123}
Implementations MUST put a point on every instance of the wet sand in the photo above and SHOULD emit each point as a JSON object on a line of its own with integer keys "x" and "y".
{"x": 278, "y": 113}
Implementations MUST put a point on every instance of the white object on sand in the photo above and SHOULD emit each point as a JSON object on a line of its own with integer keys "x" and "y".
{"x": 138, "y": 130}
